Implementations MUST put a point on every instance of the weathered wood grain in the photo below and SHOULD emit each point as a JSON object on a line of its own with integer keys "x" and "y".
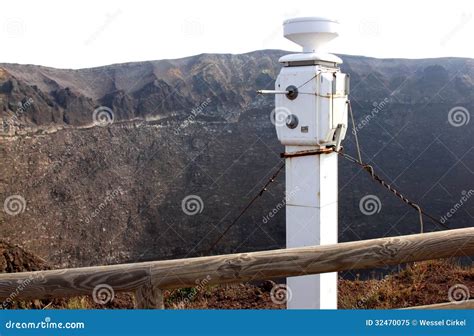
{"x": 149, "y": 296}
{"x": 240, "y": 267}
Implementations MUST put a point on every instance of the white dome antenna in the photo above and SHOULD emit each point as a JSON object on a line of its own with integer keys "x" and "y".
{"x": 312, "y": 33}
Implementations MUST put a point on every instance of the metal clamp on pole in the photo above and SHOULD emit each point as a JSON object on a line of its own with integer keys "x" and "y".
{"x": 319, "y": 151}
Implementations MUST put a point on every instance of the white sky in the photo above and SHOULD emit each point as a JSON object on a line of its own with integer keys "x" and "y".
{"x": 77, "y": 34}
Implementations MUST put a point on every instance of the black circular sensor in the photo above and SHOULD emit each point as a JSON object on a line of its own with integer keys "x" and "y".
{"x": 292, "y": 121}
{"x": 292, "y": 92}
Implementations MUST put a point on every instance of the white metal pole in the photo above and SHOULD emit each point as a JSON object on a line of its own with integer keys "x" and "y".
{"x": 311, "y": 219}
{"x": 311, "y": 115}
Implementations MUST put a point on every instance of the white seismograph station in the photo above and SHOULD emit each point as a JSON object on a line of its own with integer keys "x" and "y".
{"x": 311, "y": 121}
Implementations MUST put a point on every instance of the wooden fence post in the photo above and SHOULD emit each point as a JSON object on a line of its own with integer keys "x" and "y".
{"x": 149, "y": 296}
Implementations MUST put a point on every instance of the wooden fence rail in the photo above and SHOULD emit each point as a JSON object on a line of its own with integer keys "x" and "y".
{"x": 468, "y": 304}
{"x": 147, "y": 279}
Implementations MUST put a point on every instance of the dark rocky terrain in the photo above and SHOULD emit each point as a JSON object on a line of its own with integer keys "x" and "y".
{"x": 194, "y": 126}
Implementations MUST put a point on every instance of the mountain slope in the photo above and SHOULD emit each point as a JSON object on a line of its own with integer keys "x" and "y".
{"x": 169, "y": 87}
{"x": 192, "y": 126}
